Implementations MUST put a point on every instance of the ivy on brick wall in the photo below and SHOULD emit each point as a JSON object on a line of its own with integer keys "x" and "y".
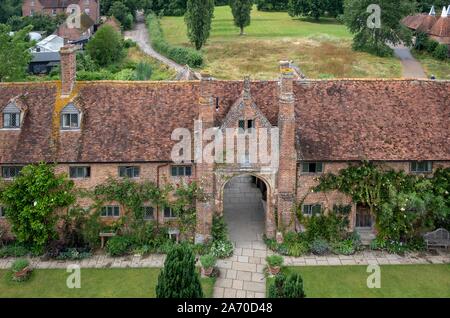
{"x": 404, "y": 205}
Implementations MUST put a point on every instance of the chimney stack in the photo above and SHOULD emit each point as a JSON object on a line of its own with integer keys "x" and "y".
{"x": 286, "y": 81}
{"x": 68, "y": 68}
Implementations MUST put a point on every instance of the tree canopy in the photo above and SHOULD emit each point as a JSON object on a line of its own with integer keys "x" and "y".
{"x": 198, "y": 17}
{"x": 14, "y": 53}
{"x": 106, "y": 46}
{"x": 241, "y": 10}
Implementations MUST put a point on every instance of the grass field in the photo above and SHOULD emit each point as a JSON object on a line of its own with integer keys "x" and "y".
{"x": 440, "y": 69}
{"x": 322, "y": 50}
{"x": 397, "y": 281}
{"x": 95, "y": 283}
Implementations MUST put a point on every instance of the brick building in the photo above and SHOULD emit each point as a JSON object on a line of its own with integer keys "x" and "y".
{"x": 94, "y": 130}
{"x": 89, "y": 11}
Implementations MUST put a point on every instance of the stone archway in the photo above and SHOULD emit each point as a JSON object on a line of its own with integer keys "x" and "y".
{"x": 247, "y": 208}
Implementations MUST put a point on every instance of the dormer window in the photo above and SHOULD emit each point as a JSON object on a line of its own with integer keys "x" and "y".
{"x": 246, "y": 125}
{"x": 11, "y": 116}
{"x": 70, "y": 117}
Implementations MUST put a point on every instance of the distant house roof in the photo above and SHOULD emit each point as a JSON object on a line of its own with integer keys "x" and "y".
{"x": 335, "y": 119}
{"x": 57, "y": 3}
{"x": 47, "y": 49}
{"x": 438, "y": 28}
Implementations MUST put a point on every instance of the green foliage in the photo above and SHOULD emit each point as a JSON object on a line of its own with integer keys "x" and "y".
{"x": 374, "y": 40}
{"x": 441, "y": 52}
{"x": 9, "y": 8}
{"x": 167, "y": 8}
{"x": 241, "y": 10}
{"x": 181, "y": 55}
{"x": 222, "y": 249}
{"x": 198, "y": 18}
{"x": 208, "y": 261}
{"x": 143, "y": 72}
{"x": 404, "y": 205}
{"x": 38, "y": 22}
{"x": 320, "y": 246}
{"x": 179, "y": 277}
{"x": 14, "y": 250}
{"x": 315, "y": 8}
{"x": 14, "y": 54}
{"x": 118, "y": 245}
{"x": 287, "y": 286}
{"x": 219, "y": 230}
{"x": 122, "y": 13}
{"x": 33, "y": 199}
{"x": 275, "y": 260}
{"x": 17, "y": 267}
{"x": 271, "y": 5}
{"x": 106, "y": 46}
{"x": 345, "y": 247}
{"x": 331, "y": 226}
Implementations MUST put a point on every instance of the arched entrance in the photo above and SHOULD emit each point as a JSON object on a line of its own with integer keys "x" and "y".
{"x": 245, "y": 208}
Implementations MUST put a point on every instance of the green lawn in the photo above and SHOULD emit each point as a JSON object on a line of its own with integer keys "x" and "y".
{"x": 432, "y": 66}
{"x": 321, "y": 49}
{"x": 95, "y": 283}
{"x": 397, "y": 281}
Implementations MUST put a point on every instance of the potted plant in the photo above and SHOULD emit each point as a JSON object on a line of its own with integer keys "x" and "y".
{"x": 274, "y": 263}
{"x": 20, "y": 270}
{"x": 208, "y": 262}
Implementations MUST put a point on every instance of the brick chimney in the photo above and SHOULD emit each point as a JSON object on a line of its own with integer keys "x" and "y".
{"x": 288, "y": 156}
{"x": 68, "y": 68}
{"x": 204, "y": 170}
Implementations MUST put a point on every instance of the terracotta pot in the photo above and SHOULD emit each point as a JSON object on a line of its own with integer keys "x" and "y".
{"x": 274, "y": 270}
{"x": 207, "y": 271}
{"x": 24, "y": 272}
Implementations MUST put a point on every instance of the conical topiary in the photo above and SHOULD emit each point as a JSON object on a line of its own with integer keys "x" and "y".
{"x": 179, "y": 278}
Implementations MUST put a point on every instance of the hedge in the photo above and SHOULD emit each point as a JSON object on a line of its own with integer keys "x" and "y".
{"x": 181, "y": 55}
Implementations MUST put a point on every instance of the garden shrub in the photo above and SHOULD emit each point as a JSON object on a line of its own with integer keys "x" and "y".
{"x": 346, "y": 247}
{"x": 441, "y": 52}
{"x": 222, "y": 249}
{"x": 275, "y": 260}
{"x": 143, "y": 72}
{"x": 319, "y": 247}
{"x": 287, "y": 286}
{"x": 179, "y": 277}
{"x": 106, "y": 46}
{"x": 124, "y": 75}
{"x": 181, "y": 55}
{"x": 118, "y": 245}
{"x": 219, "y": 230}
{"x": 14, "y": 250}
{"x": 208, "y": 261}
{"x": 431, "y": 45}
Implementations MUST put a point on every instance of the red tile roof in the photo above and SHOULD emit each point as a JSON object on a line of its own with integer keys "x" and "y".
{"x": 336, "y": 120}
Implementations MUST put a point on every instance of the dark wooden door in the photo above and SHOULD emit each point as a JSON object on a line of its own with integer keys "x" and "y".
{"x": 363, "y": 217}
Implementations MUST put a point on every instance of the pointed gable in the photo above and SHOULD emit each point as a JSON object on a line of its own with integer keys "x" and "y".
{"x": 245, "y": 109}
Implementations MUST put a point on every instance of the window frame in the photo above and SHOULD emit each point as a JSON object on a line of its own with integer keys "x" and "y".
{"x": 183, "y": 168}
{"x": 134, "y": 175}
{"x": 69, "y": 126}
{"x": 429, "y": 167}
{"x": 16, "y": 168}
{"x": 311, "y": 208}
{"x": 172, "y": 213}
{"x": 7, "y": 124}
{"x": 86, "y": 170}
{"x": 144, "y": 208}
{"x": 2, "y": 212}
{"x": 107, "y": 208}
{"x": 316, "y": 163}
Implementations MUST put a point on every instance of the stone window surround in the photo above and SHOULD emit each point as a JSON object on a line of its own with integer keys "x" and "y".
{"x": 311, "y": 205}
{"x": 417, "y": 170}
{"x": 122, "y": 171}
{"x": 88, "y": 172}
{"x": 153, "y": 217}
{"x": 177, "y": 167}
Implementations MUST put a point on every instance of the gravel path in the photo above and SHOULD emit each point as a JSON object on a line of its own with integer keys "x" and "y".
{"x": 141, "y": 36}
{"x": 411, "y": 67}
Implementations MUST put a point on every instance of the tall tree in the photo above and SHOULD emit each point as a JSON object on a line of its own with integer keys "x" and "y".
{"x": 198, "y": 17}
{"x": 241, "y": 10}
{"x": 106, "y": 46}
{"x": 374, "y": 31}
{"x": 9, "y": 8}
{"x": 14, "y": 53}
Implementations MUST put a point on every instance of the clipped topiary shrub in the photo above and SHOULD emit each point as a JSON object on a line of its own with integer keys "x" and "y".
{"x": 179, "y": 277}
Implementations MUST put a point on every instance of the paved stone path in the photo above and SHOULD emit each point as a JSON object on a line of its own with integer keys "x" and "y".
{"x": 411, "y": 67}
{"x": 140, "y": 35}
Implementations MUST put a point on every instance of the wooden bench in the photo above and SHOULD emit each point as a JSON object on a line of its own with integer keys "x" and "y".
{"x": 438, "y": 238}
{"x": 105, "y": 235}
